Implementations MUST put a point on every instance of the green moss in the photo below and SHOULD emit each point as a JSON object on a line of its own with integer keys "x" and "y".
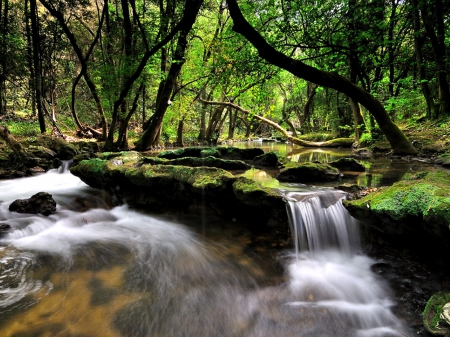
{"x": 431, "y": 315}
{"x": 423, "y": 199}
{"x": 252, "y": 193}
{"x": 308, "y": 172}
{"x": 210, "y": 152}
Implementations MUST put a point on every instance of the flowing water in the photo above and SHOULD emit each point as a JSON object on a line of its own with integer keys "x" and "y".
{"x": 93, "y": 269}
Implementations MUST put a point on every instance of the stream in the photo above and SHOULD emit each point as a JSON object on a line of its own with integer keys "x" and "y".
{"x": 100, "y": 269}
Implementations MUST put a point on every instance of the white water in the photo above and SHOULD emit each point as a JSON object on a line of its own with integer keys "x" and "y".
{"x": 171, "y": 282}
{"x": 329, "y": 266}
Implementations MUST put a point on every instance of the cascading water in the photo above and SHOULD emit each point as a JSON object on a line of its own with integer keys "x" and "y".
{"x": 329, "y": 271}
{"x": 96, "y": 270}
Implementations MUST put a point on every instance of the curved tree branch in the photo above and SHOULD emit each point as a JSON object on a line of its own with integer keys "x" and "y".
{"x": 276, "y": 126}
{"x": 399, "y": 143}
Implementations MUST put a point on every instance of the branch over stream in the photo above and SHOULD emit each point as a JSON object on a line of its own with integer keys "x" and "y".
{"x": 345, "y": 142}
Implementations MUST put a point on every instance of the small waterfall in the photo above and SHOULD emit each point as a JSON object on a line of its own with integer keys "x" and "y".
{"x": 318, "y": 221}
{"x": 329, "y": 273}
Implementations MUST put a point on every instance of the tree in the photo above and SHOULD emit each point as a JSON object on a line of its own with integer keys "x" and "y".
{"x": 399, "y": 142}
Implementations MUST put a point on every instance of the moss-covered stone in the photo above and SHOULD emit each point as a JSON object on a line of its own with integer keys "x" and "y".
{"x": 422, "y": 202}
{"x": 63, "y": 149}
{"x": 157, "y": 185}
{"x": 217, "y": 152}
{"x": 348, "y": 164}
{"x": 444, "y": 159}
{"x": 252, "y": 193}
{"x": 308, "y": 172}
{"x": 197, "y": 162}
{"x": 270, "y": 159}
{"x": 432, "y": 315}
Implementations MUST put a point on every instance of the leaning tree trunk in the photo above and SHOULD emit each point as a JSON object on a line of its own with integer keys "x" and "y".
{"x": 151, "y": 135}
{"x": 399, "y": 142}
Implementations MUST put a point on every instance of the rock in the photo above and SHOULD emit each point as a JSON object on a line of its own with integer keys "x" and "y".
{"x": 309, "y": 172}
{"x": 420, "y": 203}
{"x": 41, "y": 202}
{"x": 197, "y": 162}
{"x": 445, "y": 313}
{"x": 348, "y": 164}
{"x": 64, "y": 150}
{"x": 217, "y": 152}
{"x": 436, "y": 314}
{"x": 267, "y": 159}
{"x": 443, "y": 159}
{"x": 4, "y": 227}
{"x": 41, "y": 152}
{"x": 362, "y": 153}
{"x": 156, "y": 184}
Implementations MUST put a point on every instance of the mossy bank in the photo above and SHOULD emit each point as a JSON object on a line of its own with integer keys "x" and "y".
{"x": 157, "y": 185}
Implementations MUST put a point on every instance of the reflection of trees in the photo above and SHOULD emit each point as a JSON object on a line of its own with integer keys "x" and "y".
{"x": 383, "y": 172}
{"x": 316, "y": 155}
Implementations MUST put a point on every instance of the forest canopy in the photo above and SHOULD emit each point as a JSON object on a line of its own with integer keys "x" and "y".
{"x": 154, "y": 72}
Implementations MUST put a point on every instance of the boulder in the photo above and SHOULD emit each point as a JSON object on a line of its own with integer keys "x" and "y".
{"x": 436, "y": 318}
{"x": 419, "y": 203}
{"x": 217, "y": 152}
{"x": 41, "y": 202}
{"x": 157, "y": 185}
{"x": 64, "y": 150}
{"x": 308, "y": 172}
{"x": 197, "y": 162}
{"x": 348, "y": 164}
{"x": 269, "y": 159}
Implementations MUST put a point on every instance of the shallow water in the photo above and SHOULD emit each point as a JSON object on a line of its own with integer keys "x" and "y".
{"x": 95, "y": 269}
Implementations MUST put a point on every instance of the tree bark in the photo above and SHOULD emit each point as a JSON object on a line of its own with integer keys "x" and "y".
{"x": 436, "y": 34}
{"x": 37, "y": 64}
{"x": 399, "y": 142}
{"x": 421, "y": 72}
{"x": 151, "y": 135}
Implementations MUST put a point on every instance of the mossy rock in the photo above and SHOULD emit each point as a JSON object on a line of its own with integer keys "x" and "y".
{"x": 348, "y": 164}
{"x": 443, "y": 159}
{"x": 252, "y": 193}
{"x": 63, "y": 149}
{"x": 408, "y": 205}
{"x": 199, "y": 178}
{"x": 434, "y": 318}
{"x": 197, "y": 162}
{"x": 41, "y": 152}
{"x": 217, "y": 152}
{"x": 269, "y": 159}
{"x": 308, "y": 172}
{"x": 156, "y": 185}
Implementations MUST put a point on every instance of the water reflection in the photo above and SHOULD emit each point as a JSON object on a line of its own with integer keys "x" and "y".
{"x": 381, "y": 170}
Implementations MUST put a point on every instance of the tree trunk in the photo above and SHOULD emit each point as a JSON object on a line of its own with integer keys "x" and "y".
{"x": 307, "y": 107}
{"x": 37, "y": 64}
{"x": 421, "y": 72}
{"x": 399, "y": 142}
{"x": 150, "y": 136}
{"x": 436, "y": 34}
{"x": 180, "y": 133}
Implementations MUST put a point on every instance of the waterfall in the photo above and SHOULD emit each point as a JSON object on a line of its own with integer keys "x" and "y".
{"x": 318, "y": 221}
{"x": 329, "y": 273}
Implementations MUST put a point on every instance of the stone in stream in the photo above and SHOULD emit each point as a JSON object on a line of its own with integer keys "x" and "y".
{"x": 41, "y": 202}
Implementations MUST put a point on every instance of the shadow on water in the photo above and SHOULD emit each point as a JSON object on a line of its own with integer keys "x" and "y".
{"x": 93, "y": 269}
